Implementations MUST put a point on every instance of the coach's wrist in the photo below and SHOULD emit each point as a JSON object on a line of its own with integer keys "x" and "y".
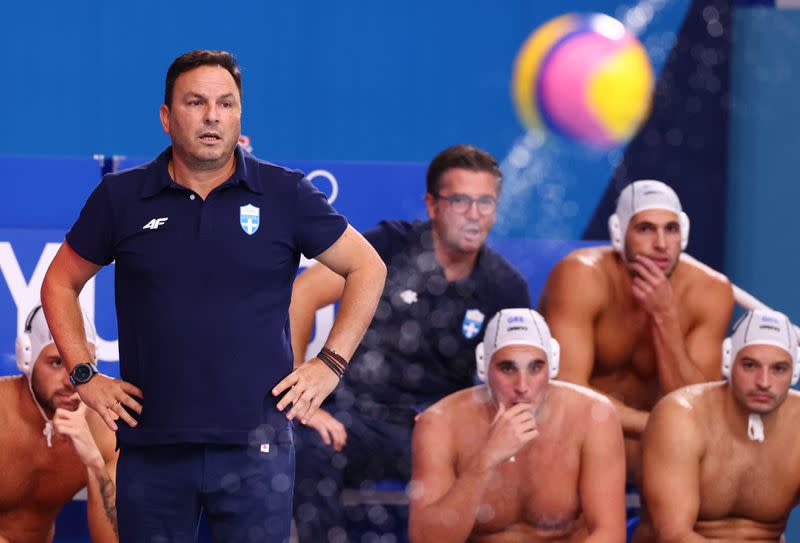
{"x": 82, "y": 373}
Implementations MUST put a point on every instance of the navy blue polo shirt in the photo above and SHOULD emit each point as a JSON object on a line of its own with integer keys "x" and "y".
{"x": 203, "y": 291}
{"x": 421, "y": 344}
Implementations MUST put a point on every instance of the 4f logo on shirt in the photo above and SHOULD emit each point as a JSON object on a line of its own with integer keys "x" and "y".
{"x": 153, "y": 224}
{"x": 473, "y": 321}
{"x": 249, "y": 218}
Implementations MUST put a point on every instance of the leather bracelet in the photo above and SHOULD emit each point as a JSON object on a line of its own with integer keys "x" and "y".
{"x": 336, "y": 356}
{"x": 331, "y": 362}
{"x": 334, "y": 367}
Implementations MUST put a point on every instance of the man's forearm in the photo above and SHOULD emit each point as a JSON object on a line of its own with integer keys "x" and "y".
{"x": 633, "y": 420}
{"x": 451, "y": 518}
{"x": 101, "y": 504}
{"x": 63, "y": 313}
{"x": 362, "y": 291}
{"x": 675, "y": 368}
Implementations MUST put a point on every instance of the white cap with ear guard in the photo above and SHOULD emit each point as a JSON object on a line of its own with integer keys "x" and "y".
{"x": 518, "y": 326}
{"x": 761, "y": 327}
{"x": 34, "y": 338}
{"x": 642, "y": 196}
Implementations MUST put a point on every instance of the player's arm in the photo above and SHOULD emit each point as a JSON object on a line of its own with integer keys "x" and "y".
{"x": 715, "y": 309}
{"x": 62, "y": 284}
{"x": 94, "y": 445}
{"x": 695, "y": 358}
{"x": 571, "y": 302}
{"x": 602, "y": 479}
{"x": 442, "y": 507}
{"x": 672, "y": 449}
{"x": 364, "y": 273}
{"x": 101, "y": 486}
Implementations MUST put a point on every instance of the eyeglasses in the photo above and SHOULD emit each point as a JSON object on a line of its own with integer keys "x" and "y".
{"x": 461, "y": 203}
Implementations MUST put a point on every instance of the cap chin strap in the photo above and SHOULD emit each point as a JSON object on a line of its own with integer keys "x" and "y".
{"x": 755, "y": 428}
{"x": 48, "y": 424}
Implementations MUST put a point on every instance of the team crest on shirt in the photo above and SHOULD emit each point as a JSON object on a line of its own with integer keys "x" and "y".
{"x": 473, "y": 321}
{"x": 249, "y": 218}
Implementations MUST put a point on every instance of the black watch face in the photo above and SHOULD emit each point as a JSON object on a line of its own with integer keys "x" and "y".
{"x": 82, "y": 373}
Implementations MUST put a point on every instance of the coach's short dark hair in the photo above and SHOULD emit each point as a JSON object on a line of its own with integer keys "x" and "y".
{"x": 467, "y": 157}
{"x": 201, "y": 57}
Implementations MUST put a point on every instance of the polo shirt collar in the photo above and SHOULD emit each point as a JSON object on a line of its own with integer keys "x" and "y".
{"x": 160, "y": 179}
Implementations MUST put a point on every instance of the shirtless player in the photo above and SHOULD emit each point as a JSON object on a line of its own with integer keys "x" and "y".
{"x": 722, "y": 460}
{"x": 521, "y": 458}
{"x": 638, "y": 319}
{"x": 51, "y": 446}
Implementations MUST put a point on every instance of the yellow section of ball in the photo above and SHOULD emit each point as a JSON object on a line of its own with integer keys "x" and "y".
{"x": 620, "y": 91}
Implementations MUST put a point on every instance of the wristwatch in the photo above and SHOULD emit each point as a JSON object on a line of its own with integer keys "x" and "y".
{"x": 82, "y": 373}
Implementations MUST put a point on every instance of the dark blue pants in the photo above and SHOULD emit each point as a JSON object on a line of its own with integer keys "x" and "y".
{"x": 376, "y": 449}
{"x": 245, "y": 493}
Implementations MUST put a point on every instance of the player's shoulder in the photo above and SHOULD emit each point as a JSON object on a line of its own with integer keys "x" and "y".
{"x": 583, "y": 400}
{"x": 585, "y": 277}
{"x": 593, "y": 263}
{"x": 454, "y": 409}
{"x": 792, "y": 402}
{"x": 691, "y": 403}
{"x": 9, "y": 391}
{"x": 579, "y": 393}
{"x": 702, "y": 276}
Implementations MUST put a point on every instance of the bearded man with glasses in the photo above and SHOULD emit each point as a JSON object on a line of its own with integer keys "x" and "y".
{"x": 442, "y": 283}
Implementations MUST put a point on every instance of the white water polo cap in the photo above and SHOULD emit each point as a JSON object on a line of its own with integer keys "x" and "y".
{"x": 36, "y": 336}
{"x": 518, "y": 326}
{"x": 642, "y": 196}
{"x": 761, "y": 327}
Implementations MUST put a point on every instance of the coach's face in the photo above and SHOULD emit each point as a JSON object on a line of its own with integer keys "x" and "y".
{"x": 463, "y": 230}
{"x": 204, "y": 120}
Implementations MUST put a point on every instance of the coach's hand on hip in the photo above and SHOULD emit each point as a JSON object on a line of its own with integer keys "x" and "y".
{"x": 307, "y": 386}
{"x": 109, "y": 397}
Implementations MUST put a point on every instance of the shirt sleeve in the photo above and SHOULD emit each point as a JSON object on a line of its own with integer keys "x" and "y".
{"x": 381, "y": 240}
{"x": 92, "y": 235}
{"x": 318, "y": 224}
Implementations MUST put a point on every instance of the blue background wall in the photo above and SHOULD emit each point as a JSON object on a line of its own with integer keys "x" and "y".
{"x": 352, "y": 80}
{"x": 764, "y": 159}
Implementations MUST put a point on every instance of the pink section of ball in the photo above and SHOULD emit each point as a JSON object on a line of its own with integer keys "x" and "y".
{"x": 565, "y": 81}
